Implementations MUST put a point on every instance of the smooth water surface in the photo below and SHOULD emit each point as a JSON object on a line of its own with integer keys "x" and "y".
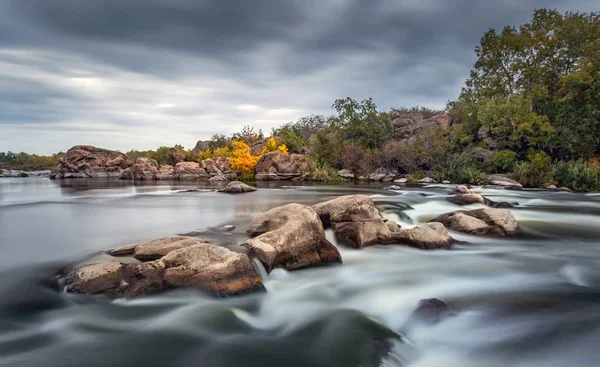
{"x": 532, "y": 300}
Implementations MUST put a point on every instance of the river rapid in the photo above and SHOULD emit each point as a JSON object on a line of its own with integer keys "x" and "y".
{"x": 532, "y": 300}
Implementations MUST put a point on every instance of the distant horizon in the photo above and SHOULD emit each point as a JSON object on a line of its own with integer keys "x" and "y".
{"x": 169, "y": 73}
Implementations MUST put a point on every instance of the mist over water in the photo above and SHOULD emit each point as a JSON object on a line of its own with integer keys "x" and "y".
{"x": 532, "y": 300}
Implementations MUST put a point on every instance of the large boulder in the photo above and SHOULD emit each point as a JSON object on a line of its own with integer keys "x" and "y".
{"x": 189, "y": 170}
{"x": 277, "y": 166}
{"x": 357, "y": 222}
{"x": 504, "y": 181}
{"x": 156, "y": 249}
{"x": 211, "y": 167}
{"x": 347, "y": 174}
{"x": 290, "y": 237}
{"x": 223, "y": 165}
{"x": 197, "y": 265}
{"x": 87, "y": 161}
{"x": 166, "y": 172}
{"x": 143, "y": 169}
{"x": 176, "y": 155}
{"x": 237, "y": 187}
{"x": 496, "y": 222}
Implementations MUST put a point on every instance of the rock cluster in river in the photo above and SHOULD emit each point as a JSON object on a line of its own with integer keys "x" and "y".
{"x": 288, "y": 237}
{"x": 86, "y": 161}
{"x": 278, "y": 166}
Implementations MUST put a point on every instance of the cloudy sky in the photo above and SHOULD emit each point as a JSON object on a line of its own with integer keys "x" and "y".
{"x": 125, "y": 74}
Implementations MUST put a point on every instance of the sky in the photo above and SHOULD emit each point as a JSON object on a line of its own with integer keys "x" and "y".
{"x": 139, "y": 74}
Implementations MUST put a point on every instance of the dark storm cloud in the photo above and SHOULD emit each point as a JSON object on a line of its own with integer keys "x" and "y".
{"x": 210, "y": 66}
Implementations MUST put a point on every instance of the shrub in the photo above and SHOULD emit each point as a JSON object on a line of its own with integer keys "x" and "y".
{"x": 316, "y": 171}
{"x": 242, "y": 161}
{"x": 356, "y": 157}
{"x": 536, "y": 172}
{"x": 225, "y": 151}
{"x": 272, "y": 146}
{"x": 579, "y": 175}
{"x": 205, "y": 154}
{"x": 500, "y": 162}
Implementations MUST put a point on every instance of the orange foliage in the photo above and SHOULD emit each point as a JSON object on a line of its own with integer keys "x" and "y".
{"x": 242, "y": 160}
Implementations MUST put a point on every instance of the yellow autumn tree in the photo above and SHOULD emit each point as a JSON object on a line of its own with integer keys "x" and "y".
{"x": 242, "y": 160}
{"x": 273, "y": 147}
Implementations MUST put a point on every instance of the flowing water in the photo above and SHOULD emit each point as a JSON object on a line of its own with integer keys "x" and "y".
{"x": 532, "y": 300}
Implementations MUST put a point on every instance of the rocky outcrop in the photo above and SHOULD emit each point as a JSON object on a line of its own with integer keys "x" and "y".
{"x": 201, "y": 146}
{"x": 189, "y": 170}
{"x": 176, "y": 155}
{"x": 504, "y": 181}
{"x": 143, "y": 169}
{"x": 277, "y": 166}
{"x": 409, "y": 124}
{"x": 290, "y": 237}
{"x": 211, "y": 167}
{"x": 179, "y": 262}
{"x": 166, "y": 172}
{"x": 223, "y": 165}
{"x": 237, "y": 187}
{"x": 495, "y": 222}
{"x": 464, "y": 196}
{"x": 83, "y": 161}
{"x": 383, "y": 174}
{"x": 356, "y": 221}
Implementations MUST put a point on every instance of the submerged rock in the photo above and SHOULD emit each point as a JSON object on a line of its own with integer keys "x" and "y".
{"x": 430, "y": 311}
{"x": 237, "y": 187}
{"x": 356, "y": 221}
{"x": 290, "y": 237}
{"x": 497, "y": 222}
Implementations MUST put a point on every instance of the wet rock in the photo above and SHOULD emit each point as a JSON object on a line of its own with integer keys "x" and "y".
{"x": 189, "y": 170}
{"x": 496, "y": 222}
{"x": 220, "y": 177}
{"x": 88, "y": 161}
{"x": 95, "y": 278}
{"x": 203, "y": 266}
{"x": 504, "y": 181}
{"x": 392, "y": 226}
{"x": 158, "y": 248}
{"x": 402, "y": 180}
{"x": 290, "y": 237}
{"x": 277, "y": 166}
{"x": 392, "y": 188}
{"x": 464, "y": 196}
{"x": 426, "y": 180}
{"x": 356, "y": 222}
{"x": 446, "y": 182}
{"x": 237, "y": 187}
{"x": 347, "y": 174}
{"x": 430, "y": 311}
{"x": 566, "y": 189}
{"x": 126, "y": 250}
{"x": 552, "y": 187}
{"x": 227, "y": 228}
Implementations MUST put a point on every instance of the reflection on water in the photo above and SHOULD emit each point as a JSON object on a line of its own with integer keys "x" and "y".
{"x": 526, "y": 301}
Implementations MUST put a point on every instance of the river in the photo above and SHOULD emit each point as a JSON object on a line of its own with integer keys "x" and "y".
{"x": 531, "y": 300}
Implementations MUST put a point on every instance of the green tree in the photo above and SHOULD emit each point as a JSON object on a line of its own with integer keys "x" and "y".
{"x": 361, "y": 122}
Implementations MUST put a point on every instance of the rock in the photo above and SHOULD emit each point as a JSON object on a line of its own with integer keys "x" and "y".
{"x": 446, "y": 182}
{"x": 220, "y": 177}
{"x": 176, "y": 155}
{"x": 504, "y": 181}
{"x": 409, "y": 124}
{"x": 393, "y": 187}
{"x": 227, "y": 228}
{"x": 223, "y": 165}
{"x": 347, "y": 174}
{"x": 356, "y": 221}
{"x": 126, "y": 250}
{"x": 166, "y": 172}
{"x": 566, "y": 189}
{"x": 465, "y": 196}
{"x": 552, "y": 187}
{"x": 143, "y": 169}
{"x": 203, "y": 266}
{"x": 430, "y": 311}
{"x": 290, "y": 237}
{"x": 95, "y": 278}
{"x": 392, "y": 226}
{"x": 237, "y": 187}
{"x": 189, "y": 170}
{"x": 211, "y": 167}
{"x": 426, "y": 180}
{"x": 383, "y": 174}
{"x": 201, "y": 146}
{"x": 88, "y": 161}
{"x": 158, "y": 248}
{"x": 257, "y": 147}
{"x": 497, "y": 222}
{"x": 402, "y": 180}
{"x": 277, "y": 166}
